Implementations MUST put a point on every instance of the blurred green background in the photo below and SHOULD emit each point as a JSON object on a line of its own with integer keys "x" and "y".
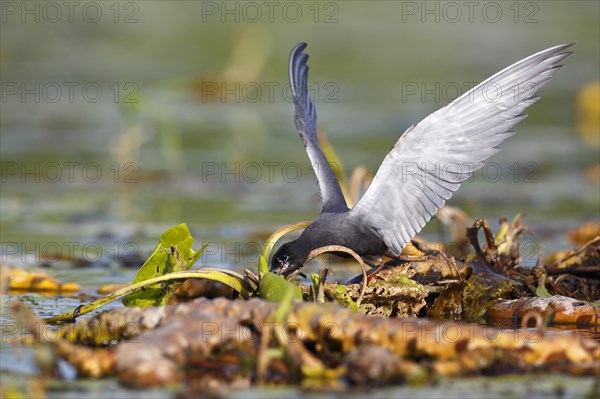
{"x": 120, "y": 119}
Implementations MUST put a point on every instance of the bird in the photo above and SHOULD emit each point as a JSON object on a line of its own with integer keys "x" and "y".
{"x": 423, "y": 169}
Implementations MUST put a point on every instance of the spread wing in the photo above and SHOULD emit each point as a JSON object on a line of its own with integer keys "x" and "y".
{"x": 430, "y": 160}
{"x": 306, "y": 122}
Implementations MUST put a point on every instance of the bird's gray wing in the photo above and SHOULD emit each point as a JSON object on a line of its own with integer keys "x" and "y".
{"x": 430, "y": 160}
{"x": 306, "y": 122}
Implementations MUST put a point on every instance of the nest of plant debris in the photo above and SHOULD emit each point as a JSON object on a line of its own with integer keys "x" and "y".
{"x": 229, "y": 343}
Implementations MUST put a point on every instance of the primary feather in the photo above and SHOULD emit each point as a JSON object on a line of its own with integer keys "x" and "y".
{"x": 306, "y": 122}
{"x": 430, "y": 160}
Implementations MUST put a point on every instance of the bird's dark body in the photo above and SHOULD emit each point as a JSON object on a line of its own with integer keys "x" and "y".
{"x": 330, "y": 228}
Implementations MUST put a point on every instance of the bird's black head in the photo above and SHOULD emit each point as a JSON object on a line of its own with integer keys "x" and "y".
{"x": 288, "y": 258}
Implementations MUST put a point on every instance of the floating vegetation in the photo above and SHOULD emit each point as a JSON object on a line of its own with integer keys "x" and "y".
{"x": 17, "y": 280}
{"x": 254, "y": 340}
{"x": 284, "y": 331}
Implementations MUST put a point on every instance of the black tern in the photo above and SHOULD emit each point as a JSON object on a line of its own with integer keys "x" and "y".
{"x": 422, "y": 170}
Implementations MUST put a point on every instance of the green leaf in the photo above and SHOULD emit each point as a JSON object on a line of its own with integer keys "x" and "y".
{"x": 340, "y": 293}
{"x": 285, "y": 305}
{"x": 172, "y": 254}
{"x": 263, "y": 265}
{"x": 314, "y": 277}
{"x": 541, "y": 289}
{"x": 343, "y": 297}
{"x": 274, "y": 287}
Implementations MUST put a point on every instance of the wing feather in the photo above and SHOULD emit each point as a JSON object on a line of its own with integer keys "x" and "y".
{"x": 430, "y": 160}
{"x": 332, "y": 198}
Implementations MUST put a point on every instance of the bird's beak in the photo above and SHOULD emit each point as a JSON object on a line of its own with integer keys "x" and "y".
{"x": 285, "y": 267}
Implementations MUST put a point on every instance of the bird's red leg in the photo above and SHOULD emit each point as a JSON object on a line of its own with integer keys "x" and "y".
{"x": 373, "y": 273}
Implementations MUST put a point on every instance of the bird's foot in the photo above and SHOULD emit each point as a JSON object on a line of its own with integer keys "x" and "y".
{"x": 373, "y": 273}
